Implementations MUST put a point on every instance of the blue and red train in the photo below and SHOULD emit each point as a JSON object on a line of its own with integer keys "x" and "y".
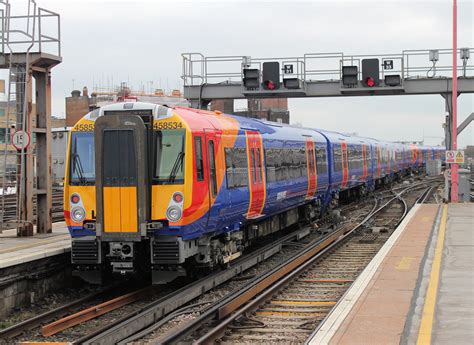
{"x": 165, "y": 192}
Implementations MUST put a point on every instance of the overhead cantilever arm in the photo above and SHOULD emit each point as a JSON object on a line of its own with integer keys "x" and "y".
{"x": 465, "y": 123}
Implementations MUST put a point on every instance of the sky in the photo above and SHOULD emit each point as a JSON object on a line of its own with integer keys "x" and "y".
{"x": 141, "y": 42}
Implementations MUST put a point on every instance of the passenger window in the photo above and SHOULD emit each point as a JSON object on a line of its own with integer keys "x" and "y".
{"x": 212, "y": 168}
{"x": 259, "y": 166}
{"x": 199, "y": 160}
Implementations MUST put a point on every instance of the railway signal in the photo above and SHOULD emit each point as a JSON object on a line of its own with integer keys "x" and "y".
{"x": 370, "y": 72}
{"x": 349, "y": 75}
{"x": 251, "y": 78}
{"x": 271, "y": 75}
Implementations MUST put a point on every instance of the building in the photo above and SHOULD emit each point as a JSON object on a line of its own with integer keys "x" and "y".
{"x": 270, "y": 109}
{"x": 78, "y": 105}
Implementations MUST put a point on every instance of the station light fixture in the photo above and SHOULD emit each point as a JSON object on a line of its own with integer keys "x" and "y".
{"x": 370, "y": 72}
{"x": 393, "y": 80}
{"x": 349, "y": 75}
{"x": 251, "y": 78}
{"x": 271, "y": 75}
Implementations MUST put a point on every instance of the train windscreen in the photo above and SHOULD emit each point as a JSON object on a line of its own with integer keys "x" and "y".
{"x": 169, "y": 163}
{"x": 82, "y": 159}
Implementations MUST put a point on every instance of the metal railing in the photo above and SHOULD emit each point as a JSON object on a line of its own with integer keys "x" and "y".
{"x": 314, "y": 67}
{"x": 39, "y": 27}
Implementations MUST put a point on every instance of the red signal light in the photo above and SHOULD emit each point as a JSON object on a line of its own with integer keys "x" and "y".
{"x": 370, "y": 81}
{"x": 270, "y": 85}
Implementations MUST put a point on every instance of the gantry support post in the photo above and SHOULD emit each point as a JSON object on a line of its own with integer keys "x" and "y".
{"x": 43, "y": 151}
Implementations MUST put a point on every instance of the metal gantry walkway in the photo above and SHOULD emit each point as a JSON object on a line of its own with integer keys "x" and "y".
{"x": 421, "y": 72}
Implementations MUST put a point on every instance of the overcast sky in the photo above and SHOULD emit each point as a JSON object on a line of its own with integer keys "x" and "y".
{"x": 142, "y": 41}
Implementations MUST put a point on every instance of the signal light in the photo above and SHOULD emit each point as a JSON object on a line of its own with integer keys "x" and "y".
{"x": 269, "y": 84}
{"x": 251, "y": 78}
{"x": 393, "y": 80}
{"x": 370, "y": 72}
{"x": 271, "y": 75}
{"x": 349, "y": 75}
{"x": 292, "y": 83}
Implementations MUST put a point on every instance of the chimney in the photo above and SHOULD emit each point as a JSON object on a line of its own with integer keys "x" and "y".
{"x": 85, "y": 92}
{"x": 76, "y": 93}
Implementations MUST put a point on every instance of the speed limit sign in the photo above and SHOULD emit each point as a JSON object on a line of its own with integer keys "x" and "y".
{"x": 21, "y": 140}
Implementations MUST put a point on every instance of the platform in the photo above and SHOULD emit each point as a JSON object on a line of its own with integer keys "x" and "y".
{"x": 419, "y": 289}
{"x": 19, "y": 250}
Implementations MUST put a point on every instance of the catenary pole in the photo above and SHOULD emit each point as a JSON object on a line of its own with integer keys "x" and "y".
{"x": 454, "y": 166}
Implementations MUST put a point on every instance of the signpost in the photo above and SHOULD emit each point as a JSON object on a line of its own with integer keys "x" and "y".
{"x": 21, "y": 140}
{"x": 455, "y": 157}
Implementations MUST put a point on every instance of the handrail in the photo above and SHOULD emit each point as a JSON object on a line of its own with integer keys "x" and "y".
{"x": 199, "y": 69}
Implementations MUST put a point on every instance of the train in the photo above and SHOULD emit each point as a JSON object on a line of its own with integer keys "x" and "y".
{"x": 167, "y": 192}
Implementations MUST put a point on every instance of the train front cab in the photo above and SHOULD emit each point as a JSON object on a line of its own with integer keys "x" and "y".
{"x": 123, "y": 189}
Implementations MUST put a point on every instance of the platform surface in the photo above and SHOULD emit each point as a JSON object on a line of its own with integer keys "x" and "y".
{"x": 454, "y": 316}
{"x": 391, "y": 302}
{"x": 18, "y": 250}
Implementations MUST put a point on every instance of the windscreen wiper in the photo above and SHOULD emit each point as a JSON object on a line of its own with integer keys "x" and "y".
{"x": 77, "y": 165}
{"x": 176, "y": 166}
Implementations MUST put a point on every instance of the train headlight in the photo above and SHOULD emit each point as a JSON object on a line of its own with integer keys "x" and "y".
{"x": 78, "y": 214}
{"x": 173, "y": 213}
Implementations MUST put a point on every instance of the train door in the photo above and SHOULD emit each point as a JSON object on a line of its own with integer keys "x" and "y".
{"x": 311, "y": 166}
{"x": 121, "y": 148}
{"x": 211, "y": 147}
{"x": 256, "y": 174}
{"x": 345, "y": 169}
{"x": 379, "y": 161}
{"x": 364, "y": 162}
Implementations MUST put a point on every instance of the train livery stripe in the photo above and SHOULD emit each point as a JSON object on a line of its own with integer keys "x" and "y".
{"x": 312, "y": 172}
{"x": 345, "y": 169}
{"x": 257, "y": 183}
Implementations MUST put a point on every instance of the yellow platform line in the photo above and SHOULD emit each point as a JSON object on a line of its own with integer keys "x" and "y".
{"x": 317, "y": 303}
{"x": 426, "y": 326}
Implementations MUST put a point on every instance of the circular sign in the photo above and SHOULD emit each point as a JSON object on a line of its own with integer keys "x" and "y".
{"x": 21, "y": 140}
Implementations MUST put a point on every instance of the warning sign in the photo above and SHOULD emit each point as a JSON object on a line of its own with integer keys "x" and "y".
{"x": 453, "y": 156}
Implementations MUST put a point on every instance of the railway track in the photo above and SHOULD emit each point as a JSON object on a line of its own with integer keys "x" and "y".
{"x": 303, "y": 292}
{"x": 146, "y": 317}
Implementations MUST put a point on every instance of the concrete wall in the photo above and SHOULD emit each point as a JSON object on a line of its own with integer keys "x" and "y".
{"x": 22, "y": 285}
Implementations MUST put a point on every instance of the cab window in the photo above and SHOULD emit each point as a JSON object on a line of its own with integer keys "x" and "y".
{"x": 169, "y": 160}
